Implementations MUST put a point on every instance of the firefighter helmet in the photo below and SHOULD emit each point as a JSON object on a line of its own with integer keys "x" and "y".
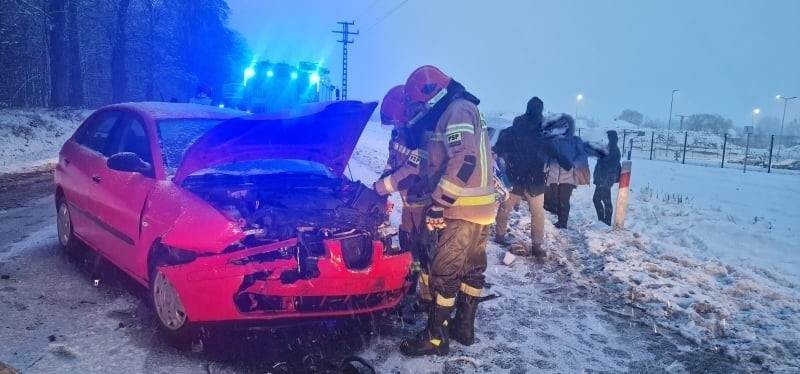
{"x": 426, "y": 85}
{"x": 393, "y": 107}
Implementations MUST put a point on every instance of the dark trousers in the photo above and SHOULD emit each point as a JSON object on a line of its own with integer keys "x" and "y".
{"x": 416, "y": 242}
{"x": 563, "y": 193}
{"x": 460, "y": 257}
{"x": 602, "y": 203}
{"x": 551, "y": 198}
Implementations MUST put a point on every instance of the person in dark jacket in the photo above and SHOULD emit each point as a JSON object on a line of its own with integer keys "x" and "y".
{"x": 525, "y": 153}
{"x": 606, "y": 173}
{"x": 571, "y": 147}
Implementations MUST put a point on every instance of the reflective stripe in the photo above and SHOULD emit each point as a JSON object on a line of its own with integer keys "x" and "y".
{"x": 401, "y": 149}
{"x": 423, "y": 278}
{"x": 471, "y": 291}
{"x": 445, "y": 302}
{"x": 474, "y": 200}
{"x": 436, "y": 342}
{"x": 436, "y": 137}
{"x": 387, "y": 184}
{"x": 449, "y": 187}
{"x": 459, "y": 127}
{"x": 457, "y": 191}
{"x": 437, "y": 97}
{"x": 483, "y": 156}
{"x": 415, "y": 266}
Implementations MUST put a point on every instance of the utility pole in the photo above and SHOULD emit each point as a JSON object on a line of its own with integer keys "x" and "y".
{"x": 345, "y": 41}
{"x": 783, "y": 119}
{"x": 669, "y": 120}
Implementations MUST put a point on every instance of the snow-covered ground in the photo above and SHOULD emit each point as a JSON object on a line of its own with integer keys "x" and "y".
{"x": 33, "y": 138}
{"x": 708, "y": 252}
{"x": 707, "y": 268}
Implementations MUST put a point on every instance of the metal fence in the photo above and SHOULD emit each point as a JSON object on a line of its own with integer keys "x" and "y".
{"x": 756, "y": 151}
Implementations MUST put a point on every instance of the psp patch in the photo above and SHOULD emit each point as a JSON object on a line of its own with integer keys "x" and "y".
{"x": 454, "y": 139}
{"x": 414, "y": 159}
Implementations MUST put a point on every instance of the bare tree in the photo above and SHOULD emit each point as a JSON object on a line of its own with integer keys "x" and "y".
{"x": 119, "y": 79}
{"x": 75, "y": 76}
{"x": 57, "y": 45}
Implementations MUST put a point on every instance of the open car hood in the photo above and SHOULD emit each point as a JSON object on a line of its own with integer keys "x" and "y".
{"x": 325, "y": 133}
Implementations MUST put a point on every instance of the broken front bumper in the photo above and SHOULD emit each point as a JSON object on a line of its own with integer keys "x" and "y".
{"x": 269, "y": 283}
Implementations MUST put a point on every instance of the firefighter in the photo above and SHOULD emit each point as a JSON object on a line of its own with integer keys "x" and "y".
{"x": 255, "y": 90}
{"x": 460, "y": 179}
{"x": 403, "y": 174}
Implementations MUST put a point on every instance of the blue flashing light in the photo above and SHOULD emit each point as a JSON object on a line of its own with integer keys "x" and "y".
{"x": 294, "y": 75}
{"x": 270, "y": 73}
{"x": 313, "y": 78}
{"x": 221, "y": 106}
{"x": 249, "y": 73}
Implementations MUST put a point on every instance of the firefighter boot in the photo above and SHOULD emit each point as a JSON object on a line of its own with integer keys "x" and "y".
{"x": 434, "y": 340}
{"x": 462, "y": 329}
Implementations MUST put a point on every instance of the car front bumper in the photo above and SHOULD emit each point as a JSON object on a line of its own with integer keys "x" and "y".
{"x": 251, "y": 285}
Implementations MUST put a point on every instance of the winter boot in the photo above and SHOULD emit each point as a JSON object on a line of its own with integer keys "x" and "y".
{"x": 435, "y": 339}
{"x": 462, "y": 329}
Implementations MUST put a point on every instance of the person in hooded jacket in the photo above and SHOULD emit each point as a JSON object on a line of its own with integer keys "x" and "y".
{"x": 526, "y": 152}
{"x": 606, "y": 173}
{"x": 563, "y": 181}
{"x": 404, "y": 173}
{"x": 460, "y": 178}
{"x": 202, "y": 96}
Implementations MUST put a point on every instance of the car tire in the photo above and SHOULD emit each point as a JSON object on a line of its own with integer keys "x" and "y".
{"x": 66, "y": 233}
{"x": 169, "y": 311}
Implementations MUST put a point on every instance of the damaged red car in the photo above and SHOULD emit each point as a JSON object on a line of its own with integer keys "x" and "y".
{"x": 225, "y": 216}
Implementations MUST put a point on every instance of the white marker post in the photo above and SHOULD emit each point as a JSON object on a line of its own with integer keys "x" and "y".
{"x": 622, "y": 197}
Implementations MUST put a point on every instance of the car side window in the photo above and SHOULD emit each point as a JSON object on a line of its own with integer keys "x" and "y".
{"x": 133, "y": 138}
{"x": 95, "y": 135}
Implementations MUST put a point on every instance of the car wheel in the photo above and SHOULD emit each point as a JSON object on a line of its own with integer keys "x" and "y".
{"x": 167, "y": 303}
{"x": 66, "y": 233}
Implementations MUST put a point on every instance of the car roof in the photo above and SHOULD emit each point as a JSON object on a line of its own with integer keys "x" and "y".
{"x": 161, "y": 110}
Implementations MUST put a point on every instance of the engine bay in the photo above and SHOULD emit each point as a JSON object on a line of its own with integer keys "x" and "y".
{"x": 269, "y": 210}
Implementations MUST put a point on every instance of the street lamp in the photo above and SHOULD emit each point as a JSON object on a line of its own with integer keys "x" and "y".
{"x": 669, "y": 122}
{"x": 783, "y": 119}
{"x": 578, "y": 100}
{"x": 756, "y": 112}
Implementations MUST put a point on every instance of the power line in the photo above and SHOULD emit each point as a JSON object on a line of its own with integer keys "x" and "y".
{"x": 367, "y": 9}
{"x": 386, "y": 15}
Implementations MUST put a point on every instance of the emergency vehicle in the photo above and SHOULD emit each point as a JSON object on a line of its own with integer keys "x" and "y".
{"x": 284, "y": 85}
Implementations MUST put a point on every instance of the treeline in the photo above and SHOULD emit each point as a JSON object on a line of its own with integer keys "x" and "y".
{"x": 88, "y": 53}
{"x": 713, "y": 123}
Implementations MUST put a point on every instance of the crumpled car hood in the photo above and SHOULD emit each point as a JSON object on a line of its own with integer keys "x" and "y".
{"x": 325, "y": 133}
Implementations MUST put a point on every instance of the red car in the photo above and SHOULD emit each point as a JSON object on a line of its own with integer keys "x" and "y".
{"x": 228, "y": 217}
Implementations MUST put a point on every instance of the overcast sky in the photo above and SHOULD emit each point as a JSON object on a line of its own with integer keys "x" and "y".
{"x": 725, "y": 56}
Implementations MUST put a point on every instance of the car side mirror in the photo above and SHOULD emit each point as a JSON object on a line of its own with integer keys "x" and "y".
{"x": 129, "y": 162}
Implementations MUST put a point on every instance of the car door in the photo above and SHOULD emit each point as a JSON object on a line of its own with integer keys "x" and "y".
{"x": 121, "y": 198}
{"x": 81, "y": 158}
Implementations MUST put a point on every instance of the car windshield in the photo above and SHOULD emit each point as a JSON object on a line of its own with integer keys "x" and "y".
{"x": 270, "y": 167}
{"x": 176, "y": 135}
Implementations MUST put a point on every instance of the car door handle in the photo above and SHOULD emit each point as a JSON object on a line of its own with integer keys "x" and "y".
{"x": 96, "y": 179}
